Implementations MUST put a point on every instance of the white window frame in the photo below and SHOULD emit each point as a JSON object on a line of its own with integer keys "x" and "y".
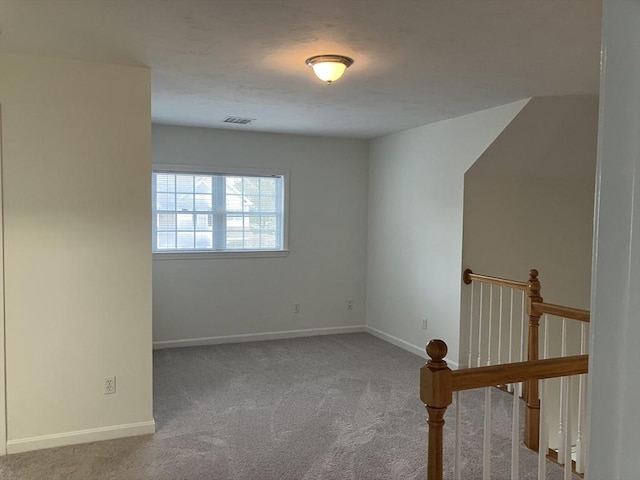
{"x": 244, "y": 253}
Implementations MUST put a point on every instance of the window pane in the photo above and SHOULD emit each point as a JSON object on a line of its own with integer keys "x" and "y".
{"x": 203, "y": 203}
{"x": 252, "y": 222}
{"x": 203, "y": 184}
{"x": 234, "y": 240}
{"x": 185, "y": 202}
{"x": 268, "y": 222}
{"x": 166, "y": 240}
{"x": 258, "y": 195}
{"x": 251, "y": 203}
{"x": 204, "y": 240}
{"x": 166, "y": 221}
{"x": 165, "y": 182}
{"x": 204, "y": 222}
{"x": 268, "y": 240}
{"x": 234, "y": 185}
{"x": 262, "y": 203}
{"x": 165, "y": 201}
{"x": 251, "y": 185}
{"x": 234, "y": 222}
{"x": 185, "y": 221}
{"x": 184, "y": 183}
{"x": 185, "y": 240}
{"x": 268, "y": 186}
{"x": 234, "y": 203}
{"x": 267, "y": 203}
{"x": 252, "y": 240}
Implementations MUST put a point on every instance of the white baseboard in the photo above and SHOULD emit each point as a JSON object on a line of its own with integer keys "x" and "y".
{"x": 255, "y": 337}
{"x": 81, "y": 436}
{"x": 398, "y": 342}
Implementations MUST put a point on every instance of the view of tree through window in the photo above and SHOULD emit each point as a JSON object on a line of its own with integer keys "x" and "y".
{"x": 205, "y": 212}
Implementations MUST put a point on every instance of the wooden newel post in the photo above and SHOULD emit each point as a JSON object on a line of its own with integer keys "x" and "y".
{"x": 436, "y": 392}
{"x": 532, "y": 397}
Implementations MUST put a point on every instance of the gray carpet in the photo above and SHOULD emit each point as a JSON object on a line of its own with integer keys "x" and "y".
{"x": 334, "y": 407}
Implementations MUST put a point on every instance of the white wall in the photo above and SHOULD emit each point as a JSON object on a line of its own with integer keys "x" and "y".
{"x": 201, "y": 299}
{"x": 76, "y": 174}
{"x": 615, "y": 336}
{"x": 414, "y": 242}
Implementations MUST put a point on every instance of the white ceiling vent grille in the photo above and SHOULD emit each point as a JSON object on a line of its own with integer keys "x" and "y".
{"x": 239, "y": 120}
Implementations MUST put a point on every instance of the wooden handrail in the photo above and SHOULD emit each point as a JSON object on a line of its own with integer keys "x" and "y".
{"x": 468, "y": 276}
{"x": 540, "y": 308}
{"x": 535, "y": 308}
{"x": 438, "y": 382}
{"x": 479, "y": 377}
{"x": 505, "y": 373}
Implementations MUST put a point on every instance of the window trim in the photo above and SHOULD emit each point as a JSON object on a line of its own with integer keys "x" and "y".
{"x": 214, "y": 170}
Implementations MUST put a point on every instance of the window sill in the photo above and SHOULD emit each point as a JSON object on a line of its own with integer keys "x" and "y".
{"x": 227, "y": 254}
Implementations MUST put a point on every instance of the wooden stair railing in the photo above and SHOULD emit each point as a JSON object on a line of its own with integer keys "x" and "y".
{"x": 438, "y": 382}
{"x": 532, "y": 441}
{"x": 535, "y": 308}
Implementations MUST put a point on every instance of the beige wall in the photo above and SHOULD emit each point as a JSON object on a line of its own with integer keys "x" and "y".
{"x": 76, "y": 172}
{"x": 529, "y": 204}
{"x": 529, "y": 201}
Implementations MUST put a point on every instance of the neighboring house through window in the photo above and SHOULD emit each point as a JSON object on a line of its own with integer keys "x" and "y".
{"x": 227, "y": 211}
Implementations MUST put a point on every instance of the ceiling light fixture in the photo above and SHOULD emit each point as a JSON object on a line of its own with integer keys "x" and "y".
{"x": 329, "y": 68}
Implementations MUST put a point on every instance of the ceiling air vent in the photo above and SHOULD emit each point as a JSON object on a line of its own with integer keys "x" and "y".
{"x": 239, "y": 120}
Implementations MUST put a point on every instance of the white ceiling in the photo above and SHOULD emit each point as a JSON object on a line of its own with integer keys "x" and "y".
{"x": 416, "y": 61}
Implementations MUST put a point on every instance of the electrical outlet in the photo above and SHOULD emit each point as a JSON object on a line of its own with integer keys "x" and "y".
{"x": 296, "y": 308}
{"x": 349, "y": 304}
{"x": 109, "y": 385}
{"x": 424, "y": 323}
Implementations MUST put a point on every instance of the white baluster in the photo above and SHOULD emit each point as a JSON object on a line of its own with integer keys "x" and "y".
{"x": 562, "y": 419}
{"x": 486, "y": 461}
{"x": 582, "y": 408}
{"x": 480, "y": 328}
{"x": 456, "y": 466}
{"x": 510, "y": 387}
{"x": 515, "y": 435}
{"x": 500, "y": 330}
{"x": 471, "y": 328}
{"x": 543, "y": 445}
{"x": 522, "y": 330}
{"x": 490, "y": 329}
{"x": 545, "y": 346}
{"x": 567, "y": 435}
{"x": 561, "y": 423}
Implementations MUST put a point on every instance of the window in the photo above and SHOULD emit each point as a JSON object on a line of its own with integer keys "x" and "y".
{"x": 218, "y": 212}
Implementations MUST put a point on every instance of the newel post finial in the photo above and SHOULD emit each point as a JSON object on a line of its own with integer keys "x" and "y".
{"x": 437, "y": 350}
{"x": 533, "y": 283}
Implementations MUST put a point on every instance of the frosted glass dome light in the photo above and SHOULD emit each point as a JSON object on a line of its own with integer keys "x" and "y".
{"x": 329, "y": 68}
